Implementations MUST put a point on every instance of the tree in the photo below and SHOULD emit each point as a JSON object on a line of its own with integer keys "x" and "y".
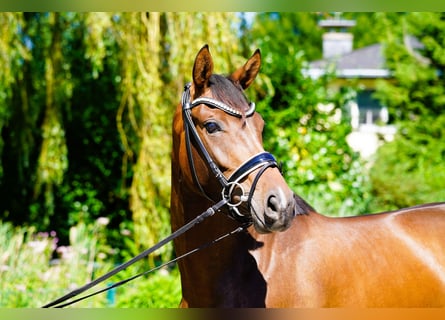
{"x": 410, "y": 169}
{"x": 58, "y": 154}
{"x": 285, "y": 29}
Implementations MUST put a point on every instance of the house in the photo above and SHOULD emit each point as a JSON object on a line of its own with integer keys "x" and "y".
{"x": 364, "y": 66}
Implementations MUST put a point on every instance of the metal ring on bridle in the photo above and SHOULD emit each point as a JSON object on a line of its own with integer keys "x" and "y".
{"x": 228, "y": 191}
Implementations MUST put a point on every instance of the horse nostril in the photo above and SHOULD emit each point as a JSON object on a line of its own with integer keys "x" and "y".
{"x": 278, "y": 206}
{"x": 274, "y": 209}
{"x": 278, "y": 210}
{"x": 273, "y": 204}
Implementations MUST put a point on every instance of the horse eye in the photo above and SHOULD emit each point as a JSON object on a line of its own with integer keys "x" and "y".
{"x": 212, "y": 127}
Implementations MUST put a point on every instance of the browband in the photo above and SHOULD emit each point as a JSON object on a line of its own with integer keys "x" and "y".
{"x": 222, "y": 106}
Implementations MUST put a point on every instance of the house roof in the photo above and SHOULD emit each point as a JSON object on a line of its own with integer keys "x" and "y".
{"x": 369, "y": 57}
{"x": 366, "y": 62}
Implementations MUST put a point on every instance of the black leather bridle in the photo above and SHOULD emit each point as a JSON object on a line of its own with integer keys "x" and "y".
{"x": 260, "y": 161}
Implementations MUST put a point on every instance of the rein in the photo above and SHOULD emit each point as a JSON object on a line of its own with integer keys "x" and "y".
{"x": 122, "y": 282}
{"x": 208, "y": 213}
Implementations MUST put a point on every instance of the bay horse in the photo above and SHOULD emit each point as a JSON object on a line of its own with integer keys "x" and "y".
{"x": 288, "y": 255}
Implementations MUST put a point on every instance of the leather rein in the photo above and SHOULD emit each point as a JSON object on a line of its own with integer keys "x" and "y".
{"x": 229, "y": 185}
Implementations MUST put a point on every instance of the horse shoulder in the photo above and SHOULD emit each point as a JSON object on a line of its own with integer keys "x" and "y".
{"x": 371, "y": 260}
{"x": 290, "y": 263}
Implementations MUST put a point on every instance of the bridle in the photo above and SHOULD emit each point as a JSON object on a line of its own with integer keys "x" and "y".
{"x": 260, "y": 161}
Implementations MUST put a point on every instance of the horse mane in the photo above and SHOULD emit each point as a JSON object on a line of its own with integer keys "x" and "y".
{"x": 229, "y": 92}
{"x": 301, "y": 206}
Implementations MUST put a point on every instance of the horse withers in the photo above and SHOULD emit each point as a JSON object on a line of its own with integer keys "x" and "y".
{"x": 289, "y": 255}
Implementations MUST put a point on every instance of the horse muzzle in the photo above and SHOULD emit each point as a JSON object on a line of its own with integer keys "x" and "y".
{"x": 276, "y": 212}
{"x": 270, "y": 203}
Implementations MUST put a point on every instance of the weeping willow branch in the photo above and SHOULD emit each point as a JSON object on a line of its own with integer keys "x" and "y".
{"x": 52, "y": 160}
{"x": 142, "y": 125}
{"x": 13, "y": 53}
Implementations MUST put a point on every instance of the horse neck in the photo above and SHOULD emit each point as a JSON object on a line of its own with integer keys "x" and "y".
{"x": 214, "y": 276}
{"x": 187, "y": 205}
{"x": 203, "y": 273}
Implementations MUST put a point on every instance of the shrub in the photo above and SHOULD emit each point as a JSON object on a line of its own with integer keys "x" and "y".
{"x": 410, "y": 170}
{"x": 161, "y": 289}
{"x": 34, "y": 271}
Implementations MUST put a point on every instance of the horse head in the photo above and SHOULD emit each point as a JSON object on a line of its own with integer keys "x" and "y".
{"x": 223, "y": 156}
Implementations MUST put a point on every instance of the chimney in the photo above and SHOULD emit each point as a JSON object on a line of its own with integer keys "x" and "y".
{"x": 336, "y": 40}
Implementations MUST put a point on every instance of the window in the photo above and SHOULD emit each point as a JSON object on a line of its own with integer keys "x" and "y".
{"x": 370, "y": 109}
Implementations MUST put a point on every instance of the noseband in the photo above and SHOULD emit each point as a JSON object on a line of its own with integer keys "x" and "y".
{"x": 260, "y": 161}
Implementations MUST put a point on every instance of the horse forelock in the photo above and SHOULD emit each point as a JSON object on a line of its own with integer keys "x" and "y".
{"x": 228, "y": 92}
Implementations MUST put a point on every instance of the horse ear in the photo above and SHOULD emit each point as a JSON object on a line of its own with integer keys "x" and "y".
{"x": 203, "y": 67}
{"x": 247, "y": 73}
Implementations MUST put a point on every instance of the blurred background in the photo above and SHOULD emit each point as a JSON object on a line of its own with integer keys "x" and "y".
{"x": 353, "y": 103}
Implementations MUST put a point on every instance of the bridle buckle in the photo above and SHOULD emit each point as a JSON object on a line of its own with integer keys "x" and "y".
{"x": 228, "y": 193}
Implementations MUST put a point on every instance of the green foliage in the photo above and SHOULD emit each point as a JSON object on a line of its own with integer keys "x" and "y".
{"x": 419, "y": 83}
{"x": 368, "y": 29}
{"x": 298, "y": 31}
{"x": 410, "y": 170}
{"x": 161, "y": 289}
{"x": 34, "y": 270}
